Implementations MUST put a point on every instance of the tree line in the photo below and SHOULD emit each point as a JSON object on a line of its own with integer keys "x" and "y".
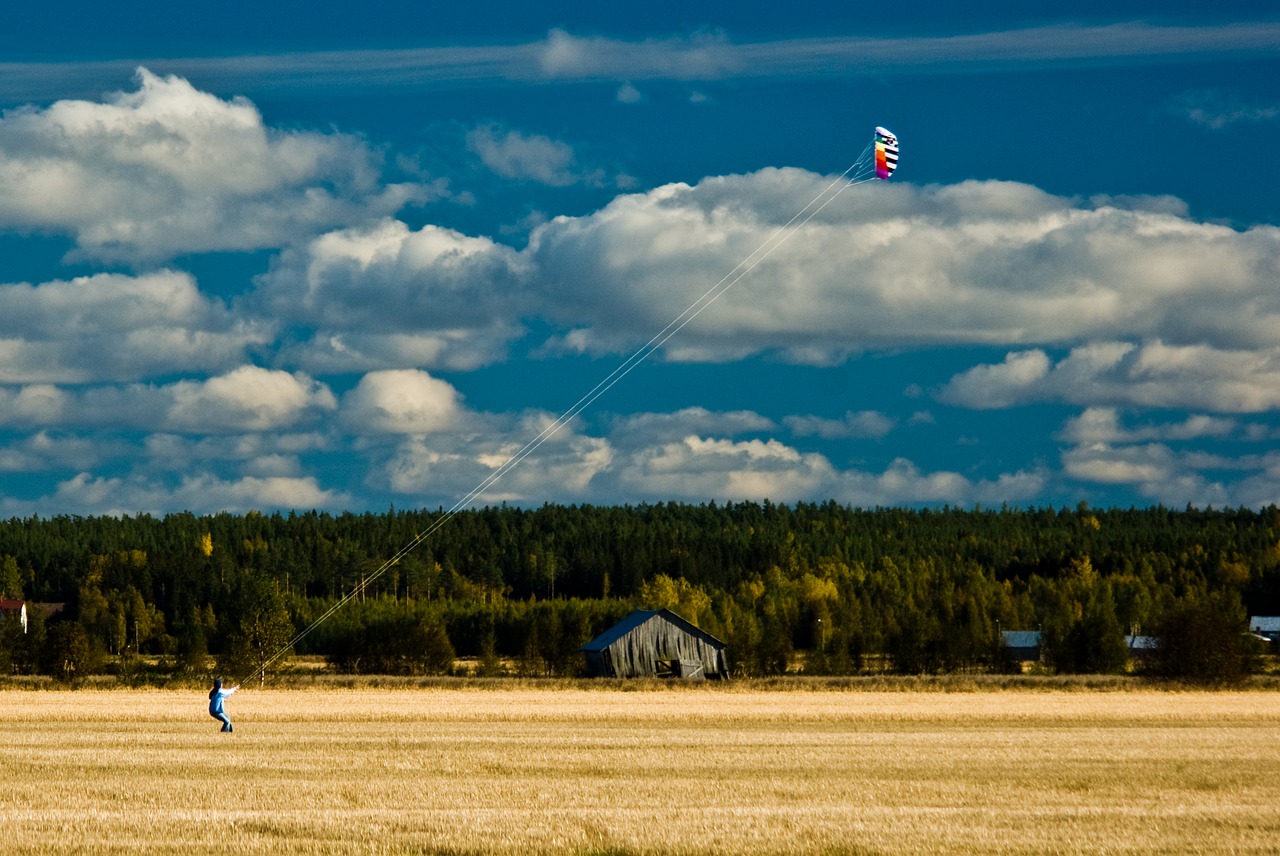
{"x": 827, "y": 587}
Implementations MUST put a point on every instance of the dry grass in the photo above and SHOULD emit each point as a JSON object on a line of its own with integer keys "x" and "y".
{"x": 712, "y": 770}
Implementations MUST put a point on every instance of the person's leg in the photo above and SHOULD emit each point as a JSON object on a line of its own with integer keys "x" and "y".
{"x": 226, "y": 721}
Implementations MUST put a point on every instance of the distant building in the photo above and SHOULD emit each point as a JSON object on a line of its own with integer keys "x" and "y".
{"x": 11, "y": 609}
{"x": 1266, "y": 626}
{"x": 655, "y": 643}
{"x": 1141, "y": 646}
{"x": 1022, "y": 645}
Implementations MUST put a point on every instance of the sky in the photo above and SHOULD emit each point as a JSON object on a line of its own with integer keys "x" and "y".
{"x": 278, "y": 256}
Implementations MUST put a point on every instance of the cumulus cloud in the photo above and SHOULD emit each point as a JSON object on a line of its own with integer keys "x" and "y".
{"x": 383, "y": 296}
{"x": 896, "y": 265}
{"x": 404, "y": 401}
{"x": 656, "y": 457}
{"x": 168, "y": 169}
{"x": 202, "y": 494}
{"x": 666, "y": 427}
{"x": 47, "y": 450}
{"x": 113, "y": 327}
{"x": 1152, "y": 374}
{"x": 865, "y": 424}
{"x": 1157, "y": 472}
{"x": 1174, "y": 462}
{"x": 1103, "y": 425}
{"x": 530, "y": 157}
{"x": 261, "y": 453}
{"x": 245, "y": 399}
{"x": 884, "y": 266}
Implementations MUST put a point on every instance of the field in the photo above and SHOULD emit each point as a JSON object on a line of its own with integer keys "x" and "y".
{"x": 710, "y": 769}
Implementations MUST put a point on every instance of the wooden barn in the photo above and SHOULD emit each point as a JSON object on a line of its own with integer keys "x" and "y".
{"x": 655, "y": 643}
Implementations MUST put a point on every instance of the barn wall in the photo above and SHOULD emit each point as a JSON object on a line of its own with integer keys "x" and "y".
{"x": 636, "y": 654}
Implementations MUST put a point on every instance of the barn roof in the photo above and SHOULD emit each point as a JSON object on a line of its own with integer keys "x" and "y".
{"x": 1142, "y": 643}
{"x": 11, "y": 605}
{"x": 642, "y": 616}
{"x": 1020, "y": 638}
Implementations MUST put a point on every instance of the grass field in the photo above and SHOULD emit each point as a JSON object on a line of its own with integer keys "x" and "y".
{"x": 710, "y": 769}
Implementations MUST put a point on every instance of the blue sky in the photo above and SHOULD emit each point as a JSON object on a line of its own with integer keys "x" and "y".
{"x": 305, "y": 256}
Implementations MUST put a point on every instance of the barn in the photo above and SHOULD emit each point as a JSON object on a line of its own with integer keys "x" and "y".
{"x": 655, "y": 643}
{"x": 1266, "y": 626}
{"x": 1022, "y": 645}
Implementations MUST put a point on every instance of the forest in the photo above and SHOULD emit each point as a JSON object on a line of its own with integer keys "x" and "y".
{"x": 818, "y": 588}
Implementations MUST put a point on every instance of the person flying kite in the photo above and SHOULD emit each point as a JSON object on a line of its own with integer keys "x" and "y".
{"x": 216, "y": 695}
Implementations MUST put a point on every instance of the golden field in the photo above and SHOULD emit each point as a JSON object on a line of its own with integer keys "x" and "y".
{"x": 688, "y": 770}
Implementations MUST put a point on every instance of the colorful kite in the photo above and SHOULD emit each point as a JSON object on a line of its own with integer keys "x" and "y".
{"x": 886, "y": 152}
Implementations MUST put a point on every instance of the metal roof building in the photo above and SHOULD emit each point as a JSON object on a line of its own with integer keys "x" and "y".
{"x": 1266, "y": 626}
{"x": 655, "y": 643}
{"x": 1021, "y": 644}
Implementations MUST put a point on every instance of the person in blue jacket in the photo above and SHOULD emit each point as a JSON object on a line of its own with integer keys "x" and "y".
{"x": 216, "y": 695}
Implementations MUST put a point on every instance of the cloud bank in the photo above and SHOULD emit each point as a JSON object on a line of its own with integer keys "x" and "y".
{"x": 344, "y": 361}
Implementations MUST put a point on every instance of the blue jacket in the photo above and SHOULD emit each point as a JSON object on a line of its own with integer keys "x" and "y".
{"x": 216, "y": 697}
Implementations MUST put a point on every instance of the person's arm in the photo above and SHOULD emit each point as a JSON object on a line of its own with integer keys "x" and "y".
{"x": 226, "y": 691}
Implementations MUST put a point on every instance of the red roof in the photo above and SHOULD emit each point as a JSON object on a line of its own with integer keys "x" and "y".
{"x": 11, "y": 605}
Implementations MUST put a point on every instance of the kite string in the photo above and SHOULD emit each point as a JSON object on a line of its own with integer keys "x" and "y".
{"x": 854, "y": 175}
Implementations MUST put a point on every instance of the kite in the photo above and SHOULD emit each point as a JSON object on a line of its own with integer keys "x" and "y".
{"x": 886, "y": 152}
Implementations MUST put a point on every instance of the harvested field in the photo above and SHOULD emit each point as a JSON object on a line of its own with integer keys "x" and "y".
{"x": 713, "y": 769}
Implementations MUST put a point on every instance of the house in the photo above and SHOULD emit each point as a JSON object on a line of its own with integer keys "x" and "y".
{"x": 655, "y": 643}
{"x": 1266, "y": 626}
{"x": 10, "y": 609}
{"x": 1141, "y": 646}
{"x": 1022, "y": 645}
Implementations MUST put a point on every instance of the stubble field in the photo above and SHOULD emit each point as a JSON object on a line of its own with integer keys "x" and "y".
{"x": 713, "y": 769}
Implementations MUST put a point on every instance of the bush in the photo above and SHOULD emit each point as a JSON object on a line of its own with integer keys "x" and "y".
{"x": 69, "y": 653}
{"x": 1203, "y": 640}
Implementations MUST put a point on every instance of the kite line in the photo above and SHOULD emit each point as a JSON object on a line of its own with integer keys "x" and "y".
{"x": 877, "y": 160}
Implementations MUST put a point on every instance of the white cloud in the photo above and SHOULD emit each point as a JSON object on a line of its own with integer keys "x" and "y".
{"x": 168, "y": 169}
{"x": 530, "y": 157}
{"x": 664, "y": 427}
{"x": 383, "y": 297}
{"x": 1102, "y": 425}
{"x": 202, "y": 494}
{"x": 700, "y": 57}
{"x": 709, "y": 56}
{"x": 1175, "y": 463}
{"x": 246, "y": 399}
{"x": 406, "y": 401}
{"x": 1155, "y": 470}
{"x": 628, "y": 94}
{"x": 646, "y": 457}
{"x": 1218, "y": 109}
{"x": 38, "y": 404}
{"x": 112, "y": 327}
{"x": 892, "y": 265}
{"x": 45, "y": 450}
{"x": 863, "y": 424}
{"x": 255, "y": 454}
{"x": 1150, "y": 375}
